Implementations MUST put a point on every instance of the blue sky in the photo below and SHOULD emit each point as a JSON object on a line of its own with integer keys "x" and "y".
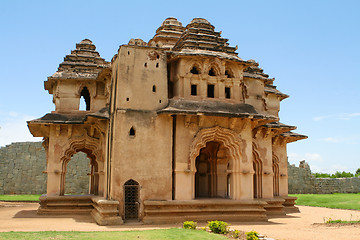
{"x": 310, "y": 47}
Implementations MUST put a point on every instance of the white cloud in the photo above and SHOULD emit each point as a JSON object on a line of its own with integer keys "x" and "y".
{"x": 333, "y": 139}
{"x": 339, "y": 116}
{"x": 353, "y": 139}
{"x": 337, "y": 167}
{"x": 13, "y": 128}
{"x": 313, "y": 157}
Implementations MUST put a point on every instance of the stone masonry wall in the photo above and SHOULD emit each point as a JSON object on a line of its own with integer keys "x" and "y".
{"x": 22, "y": 165}
{"x": 301, "y": 181}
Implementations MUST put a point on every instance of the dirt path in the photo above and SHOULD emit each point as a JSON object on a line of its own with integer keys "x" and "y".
{"x": 22, "y": 217}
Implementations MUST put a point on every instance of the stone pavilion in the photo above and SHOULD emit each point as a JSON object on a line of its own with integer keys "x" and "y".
{"x": 177, "y": 128}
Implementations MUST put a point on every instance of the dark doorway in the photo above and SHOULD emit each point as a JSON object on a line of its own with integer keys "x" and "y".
{"x": 211, "y": 179}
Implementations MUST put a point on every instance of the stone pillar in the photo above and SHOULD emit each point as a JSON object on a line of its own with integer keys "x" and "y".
{"x": 236, "y": 90}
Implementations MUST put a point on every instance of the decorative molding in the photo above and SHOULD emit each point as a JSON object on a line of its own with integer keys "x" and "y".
{"x": 227, "y": 137}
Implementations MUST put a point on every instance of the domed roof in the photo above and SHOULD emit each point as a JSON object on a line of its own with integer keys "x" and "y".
{"x": 200, "y": 20}
{"x": 171, "y": 21}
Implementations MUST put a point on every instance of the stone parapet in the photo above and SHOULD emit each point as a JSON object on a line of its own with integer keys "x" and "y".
{"x": 301, "y": 181}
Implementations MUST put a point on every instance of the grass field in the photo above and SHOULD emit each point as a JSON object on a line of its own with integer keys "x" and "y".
{"x": 173, "y": 233}
{"x": 23, "y": 198}
{"x": 335, "y": 200}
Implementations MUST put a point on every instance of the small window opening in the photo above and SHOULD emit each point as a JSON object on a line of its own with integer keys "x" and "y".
{"x": 157, "y": 65}
{"x": 145, "y": 64}
{"x": 228, "y": 74}
{"x": 154, "y": 88}
{"x": 132, "y": 131}
{"x": 85, "y": 95}
{"x": 159, "y": 101}
{"x": 227, "y": 92}
{"x": 127, "y": 99}
{"x": 212, "y": 72}
{"x": 194, "y": 70}
{"x": 210, "y": 91}
{"x": 157, "y": 56}
{"x": 193, "y": 89}
{"x": 128, "y": 53}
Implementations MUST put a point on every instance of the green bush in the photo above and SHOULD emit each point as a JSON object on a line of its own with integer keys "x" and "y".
{"x": 218, "y": 227}
{"x": 189, "y": 225}
{"x": 252, "y": 235}
{"x": 237, "y": 234}
{"x": 335, "y": 175}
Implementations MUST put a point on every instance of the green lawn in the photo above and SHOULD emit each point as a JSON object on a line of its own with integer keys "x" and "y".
{"x": 23, "y": 198}
{"x": 335, "y": 200}
{"x": 173, "y": 233}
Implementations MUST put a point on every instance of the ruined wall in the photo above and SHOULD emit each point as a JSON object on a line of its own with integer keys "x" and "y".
{"x": 22, "y": 164}
{"x": 301, "y": 181}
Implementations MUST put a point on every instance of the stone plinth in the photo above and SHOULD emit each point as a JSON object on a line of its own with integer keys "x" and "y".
{"x": 106, "y": 212}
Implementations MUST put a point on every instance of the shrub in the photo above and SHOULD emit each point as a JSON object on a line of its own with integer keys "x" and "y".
{"x": 189, "y": 225}
{"x": 238, "y": 234}
{"x": 253, "y": 235}
{"x": 218, "y": 227}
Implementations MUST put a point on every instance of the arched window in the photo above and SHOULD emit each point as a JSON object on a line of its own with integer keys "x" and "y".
{"x": 132, "y": 132}
{"x": 195, "y": 70}
{"x": 85, "y": 97}
{"x": 154, "y": 88}
{"x": 228, "y": 73}
{"x": 212, "y": 72}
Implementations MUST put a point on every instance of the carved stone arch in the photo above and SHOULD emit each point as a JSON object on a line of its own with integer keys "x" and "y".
{"x": 276, "y": 175}
{"x": 194, "y": 63}
{"x": 231, "y": 70}
{"x": 105, "y": 76}
{"x": 90, "y": 147}
{"x": 216, "y": 64}
{"x": 258, "y": 172}
{"x": 91, "y": 86}
{"x": 227, "y": 137}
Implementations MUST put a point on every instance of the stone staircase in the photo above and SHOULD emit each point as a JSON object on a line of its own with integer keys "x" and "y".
{"x": 177, "y": 211}
{"x": 68, "y": 204}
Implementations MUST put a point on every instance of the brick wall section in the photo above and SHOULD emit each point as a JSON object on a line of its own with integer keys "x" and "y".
{"x": 301, "y": 181}
{"x": 22, "y": 164}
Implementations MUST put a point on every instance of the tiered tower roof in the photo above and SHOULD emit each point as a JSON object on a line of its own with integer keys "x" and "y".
{"x": 83, "y": 63}
{"x": 200, "y": 34}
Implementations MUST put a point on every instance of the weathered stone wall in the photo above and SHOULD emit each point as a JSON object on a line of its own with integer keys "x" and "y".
{"x": 301, "y": 181}
{"x": 22, "y": 165}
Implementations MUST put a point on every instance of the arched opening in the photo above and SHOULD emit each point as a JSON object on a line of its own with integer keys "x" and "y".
{"x": 80, "y": 175}
{"x": 212, "y": 72}
{"x": 131, "y": 200}
{"x": 211, "y": 178}
{"x": 154, "y": 88}
{"x": 195, "y": 70}
{"x": 229, "y": 73}
{"x": 84, "y": 99}
{"x": 132, "y": 132}
{"x": 257, "y": 177}
{"x": 276, "y": 176}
